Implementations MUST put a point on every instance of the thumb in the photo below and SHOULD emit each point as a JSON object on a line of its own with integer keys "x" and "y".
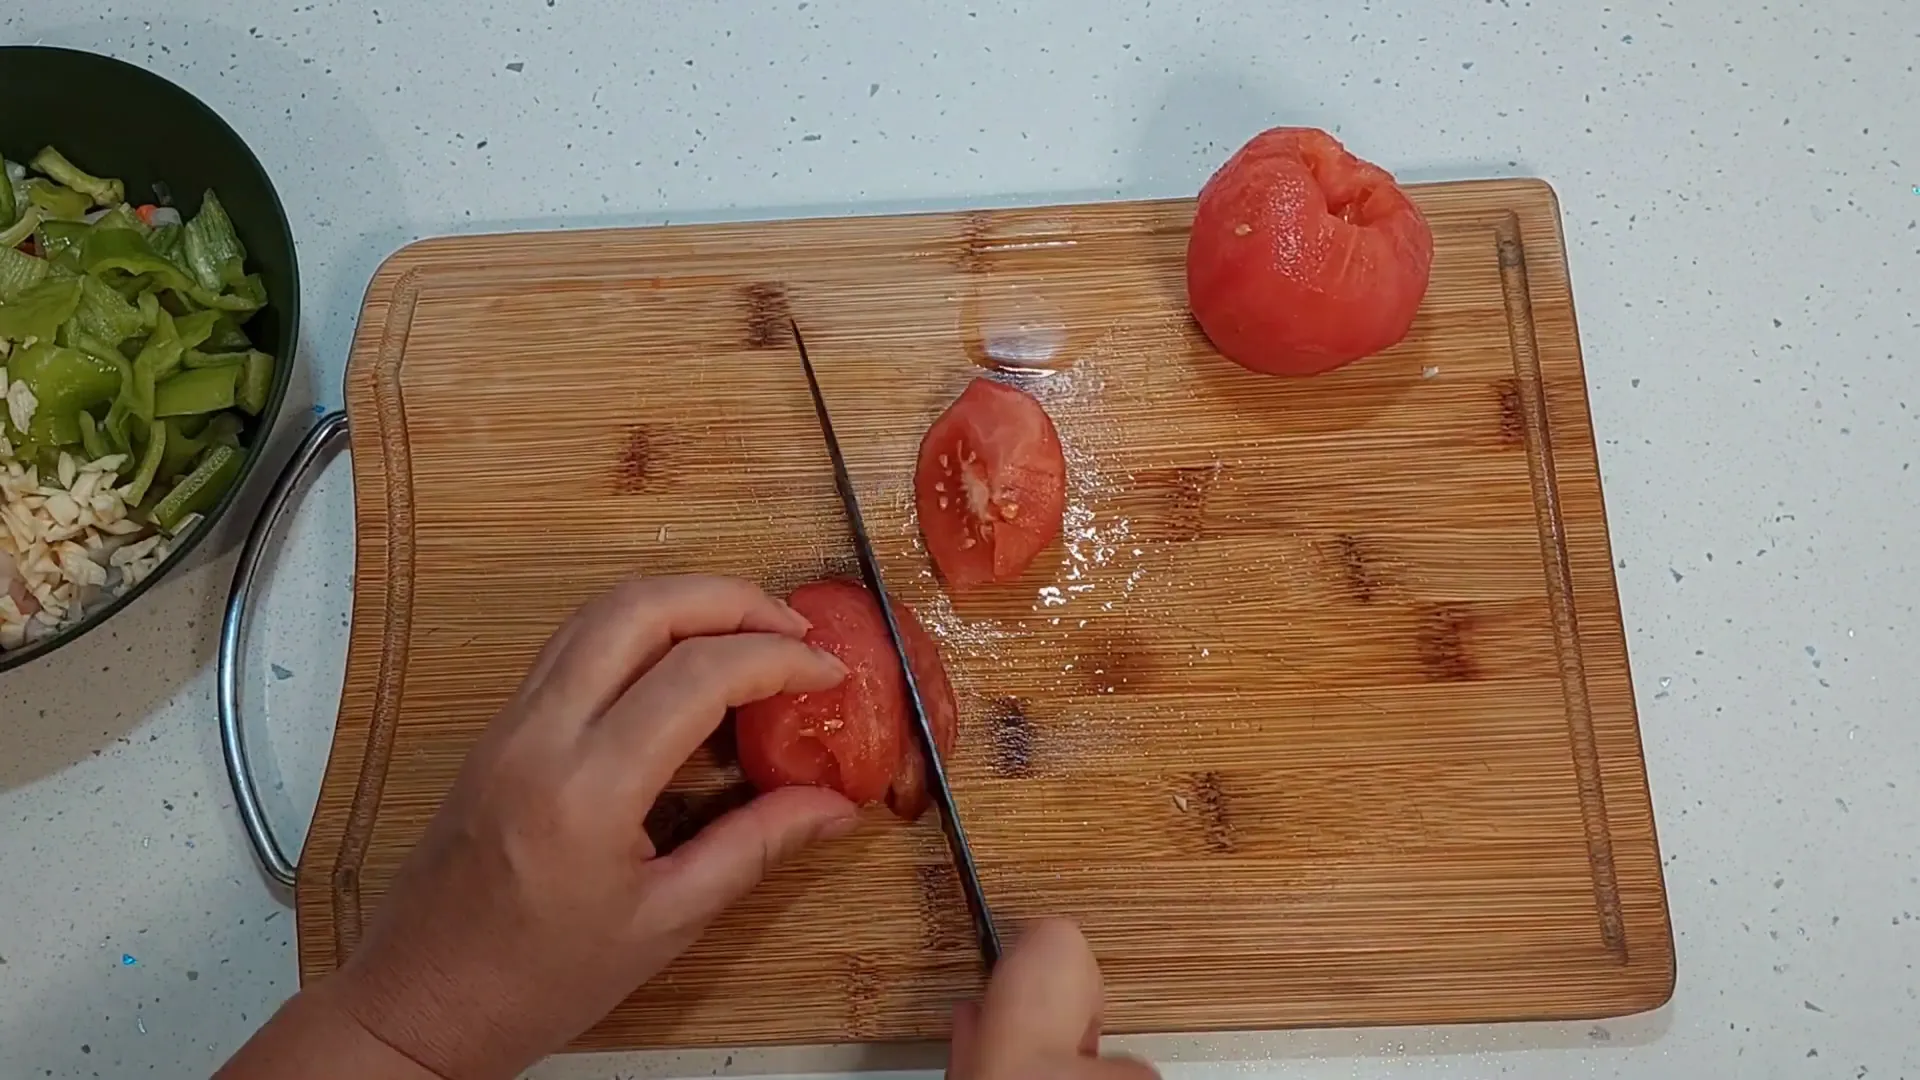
{"x": 728, "y": 858}
{"x": 1043, "y": 1001}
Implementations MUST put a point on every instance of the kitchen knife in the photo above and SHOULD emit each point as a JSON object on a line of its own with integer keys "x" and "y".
{"x": 922, "y": 730}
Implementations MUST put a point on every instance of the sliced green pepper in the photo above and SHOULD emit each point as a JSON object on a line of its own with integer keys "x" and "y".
{"x": 60, "y": 202}
{"x": 9, "y": 207}
{"x": 90, "y": 438}
{"x": 61, "y": 241}
{"x": 104, "y": 315}
{"x": 101, "y": 191}
{"x": 37, "y": 311}
{"x": 195, "y": 392}
{"x": 65, "y": 380}
{"x": 228, "y": 337}
{"x": 19, "y": 270}
{"x": 150, "y": 459}
{"x": 122, "y": 217}
{"x": 124, "y": 249}
{"x": 159, "y": 358}
{"x": 224, "y": 430}
{"x": 194, "y": 358}
{"x": 193, "y": 330}
{"x": 256, "y": 383}
{"x": 182, "y": 447}
{"x": 22, "y": 227}
{"x": 212, "y": 249}
{"x": 53, "y": 428}
{"x": 130, "y": 286}
{"x": 248, "y": 295}
{"x": 92, "y": 346}
{"x": 120, "y": 413}
{"x": 165, "y": 240}
{"x": 196, "y": 493}
{"x": 149, "y": 306}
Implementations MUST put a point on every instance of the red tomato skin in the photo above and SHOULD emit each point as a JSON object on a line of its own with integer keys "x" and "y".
{"x": 1303, "y": 257}
{"x": 990, "y": 485}
{"x": 853, "y": 738}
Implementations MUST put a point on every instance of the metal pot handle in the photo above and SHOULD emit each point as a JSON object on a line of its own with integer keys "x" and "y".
{"x": 326, "y": 435}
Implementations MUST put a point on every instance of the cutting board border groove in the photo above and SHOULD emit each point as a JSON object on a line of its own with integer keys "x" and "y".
{"x": 1529, "y": 383}
{"x": 399, "y": 616}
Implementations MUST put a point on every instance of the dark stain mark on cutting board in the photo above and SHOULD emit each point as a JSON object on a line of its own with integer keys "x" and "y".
{"x": 1513, "y": 419}
{"x": 638, "y": 465}
{"x": 1182, "y": 493}
{"x": 976, "y": 230}
{"x": 864, "y": 985}
{"x": 1357, "y": 565}
{"x": 1013, "y": 748}
{"x": 1441, "y": 640}
{"x": 944, "y": 921}
{"x": 769, "y": 319}
{"x": 1209, "y": 802}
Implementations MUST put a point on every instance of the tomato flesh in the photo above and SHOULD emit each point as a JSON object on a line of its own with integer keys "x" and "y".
{"x": 990, "y": 486}
{"x": 853, "y": 738}
{"x": 1303, "y": 257}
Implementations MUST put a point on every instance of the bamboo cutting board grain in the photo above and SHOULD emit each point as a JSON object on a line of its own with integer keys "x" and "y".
{"x": 1320, "y": 714}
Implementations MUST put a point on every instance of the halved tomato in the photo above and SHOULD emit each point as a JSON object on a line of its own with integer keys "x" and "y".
{"x": 852, "y": 738}
{"x": 990, "y": 486}
{"x": 1303, "y": 257}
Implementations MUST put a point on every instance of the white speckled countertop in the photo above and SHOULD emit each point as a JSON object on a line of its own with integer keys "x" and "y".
{"x": 1740, "y": 183}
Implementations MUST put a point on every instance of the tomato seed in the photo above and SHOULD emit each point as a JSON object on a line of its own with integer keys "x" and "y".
{"x": 1009, "y": 511}
{"x": 943, "y": 502}
{"x": 1242, "y": 229}
{"x": 966, "y": 542}
{"x": 944, "y": 461}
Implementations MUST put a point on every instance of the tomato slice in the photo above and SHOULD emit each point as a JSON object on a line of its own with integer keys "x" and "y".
{"x": 990, "y": 486}
{"x": 1303, "y": 257}
{"x": 853, "y": 738}
{"x": 909, "y": 796}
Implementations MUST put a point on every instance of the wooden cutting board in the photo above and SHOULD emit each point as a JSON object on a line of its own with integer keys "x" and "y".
{"x": 1319, "y": 715}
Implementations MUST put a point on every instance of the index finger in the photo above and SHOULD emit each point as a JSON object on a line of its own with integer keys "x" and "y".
{"x": 654, "y": 727}
{"x": 616, "y": 637}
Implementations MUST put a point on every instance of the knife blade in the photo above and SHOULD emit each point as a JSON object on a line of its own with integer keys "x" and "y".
{"x": 957, "y": 846}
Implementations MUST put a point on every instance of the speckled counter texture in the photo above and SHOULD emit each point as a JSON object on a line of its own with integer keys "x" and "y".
{"x": 1739, "y": 185}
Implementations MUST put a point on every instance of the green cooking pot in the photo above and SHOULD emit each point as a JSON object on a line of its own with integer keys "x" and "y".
{"x": 117, "y": 120}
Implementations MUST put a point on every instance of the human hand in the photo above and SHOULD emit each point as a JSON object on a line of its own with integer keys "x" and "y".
{"x": 535, "y": 901}
{"x": 1041, "y": 1016}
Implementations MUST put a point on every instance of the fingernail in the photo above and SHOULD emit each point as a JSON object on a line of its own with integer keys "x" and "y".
{"x": 833, "y": 660}
{"x": 838, "y": 827}
{"x": 805, "y": 624}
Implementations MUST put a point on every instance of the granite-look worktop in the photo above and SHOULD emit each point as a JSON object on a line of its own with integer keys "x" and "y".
{"x": 1740, "y": 184}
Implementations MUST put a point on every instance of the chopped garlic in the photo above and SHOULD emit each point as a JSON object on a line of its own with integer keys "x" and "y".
{"x": 21, "y": 405}
{"x": 64, "y": 538}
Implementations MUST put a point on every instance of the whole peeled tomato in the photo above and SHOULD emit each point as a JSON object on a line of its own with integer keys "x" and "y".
{"x": 1303, "y": 257}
